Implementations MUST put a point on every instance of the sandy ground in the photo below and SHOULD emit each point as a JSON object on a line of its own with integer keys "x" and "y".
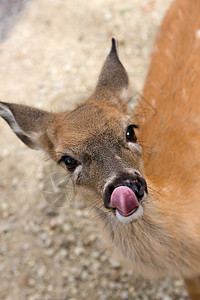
{"x": 50, "y": 55}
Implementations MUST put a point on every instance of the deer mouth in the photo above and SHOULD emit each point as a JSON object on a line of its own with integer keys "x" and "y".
{"x": 124, "y": 200}
{"x": 124, "y": 196}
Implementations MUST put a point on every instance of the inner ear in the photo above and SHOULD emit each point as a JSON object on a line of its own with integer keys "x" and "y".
{"x": 29, "y": 124}
{"x": 113, "y": 79}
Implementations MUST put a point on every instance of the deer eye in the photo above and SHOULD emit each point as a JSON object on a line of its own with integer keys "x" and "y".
{"x": 130, "y": 133}
{"x": 70, "y": 162}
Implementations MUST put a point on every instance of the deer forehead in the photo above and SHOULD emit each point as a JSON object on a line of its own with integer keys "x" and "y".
{"x": 90, "y": 122}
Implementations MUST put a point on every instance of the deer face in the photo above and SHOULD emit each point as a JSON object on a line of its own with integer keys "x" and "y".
{"x": 96, "y": 143}
{"x": 103, "y": 155}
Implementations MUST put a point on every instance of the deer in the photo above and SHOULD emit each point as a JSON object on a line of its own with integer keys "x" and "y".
{"x": 139, "y": 171}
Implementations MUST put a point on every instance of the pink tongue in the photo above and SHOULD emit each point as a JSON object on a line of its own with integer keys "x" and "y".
{"x": 124, "y": 199}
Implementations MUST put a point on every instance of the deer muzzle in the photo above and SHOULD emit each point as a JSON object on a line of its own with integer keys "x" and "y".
{"x": 125, "y": 193}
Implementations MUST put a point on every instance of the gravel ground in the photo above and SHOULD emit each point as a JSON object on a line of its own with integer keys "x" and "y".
{"x": 51, "y": 59}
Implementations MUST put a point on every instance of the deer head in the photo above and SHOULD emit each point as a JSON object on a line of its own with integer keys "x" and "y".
{"x": 96, "y": 143}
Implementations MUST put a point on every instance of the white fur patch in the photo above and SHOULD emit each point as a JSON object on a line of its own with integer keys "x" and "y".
{"x": 78, "y": 170}
{"x": 134, "y": 146}
{"x": 134, "y": 216}
{"x": 124, "y": 93}
{"x": 7, "y": 114}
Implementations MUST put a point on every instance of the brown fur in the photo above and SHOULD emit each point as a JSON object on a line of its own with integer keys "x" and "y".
{"x": 166, "y": 238}
{"x": 170, "y": 121}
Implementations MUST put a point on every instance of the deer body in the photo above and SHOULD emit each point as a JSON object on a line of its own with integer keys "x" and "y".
{"x": 147, "y": 201}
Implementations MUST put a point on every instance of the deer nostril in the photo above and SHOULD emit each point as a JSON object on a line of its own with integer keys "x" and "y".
{"x": 135, "y": 187}
{"x": 139, "y": 187}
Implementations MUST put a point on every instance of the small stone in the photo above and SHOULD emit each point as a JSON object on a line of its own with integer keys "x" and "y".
{"x": 41, "y": 271}
{"x": 66, "y": 227}
{"x": 78, "y": 250}
{"x": 6, "y": 227}
{"x": 49, "y": 252}
{"x": 25, "y": 246}
{"x": 51, "y": 213}
{"x": 63, "y": 253}
{"x": 104, "y": 258}
{"x": 90, "y": 239}
{"x": 124, "y": 295}
{"x": 115, "y": 264}
{"x": 165, "y": 297}
{"x": 95, "y": 254}
{"x": 31, "y": 282}
{"x": 50, "y": 288}
{"x": 53, "y": 223}
{"x": 116, "y": 275}
{"x": 84, "y": 275}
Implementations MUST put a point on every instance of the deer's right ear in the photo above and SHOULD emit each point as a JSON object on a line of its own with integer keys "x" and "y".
{"x": 29, "y": 124}
{"x": 113, "y": 79}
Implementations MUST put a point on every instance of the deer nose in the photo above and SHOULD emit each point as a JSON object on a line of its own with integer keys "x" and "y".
{"x": 136, "y": 183}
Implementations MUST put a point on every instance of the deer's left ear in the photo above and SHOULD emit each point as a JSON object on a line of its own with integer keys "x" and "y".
{"x": 29, "y": 124}
{"x": 113, "y": 79}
